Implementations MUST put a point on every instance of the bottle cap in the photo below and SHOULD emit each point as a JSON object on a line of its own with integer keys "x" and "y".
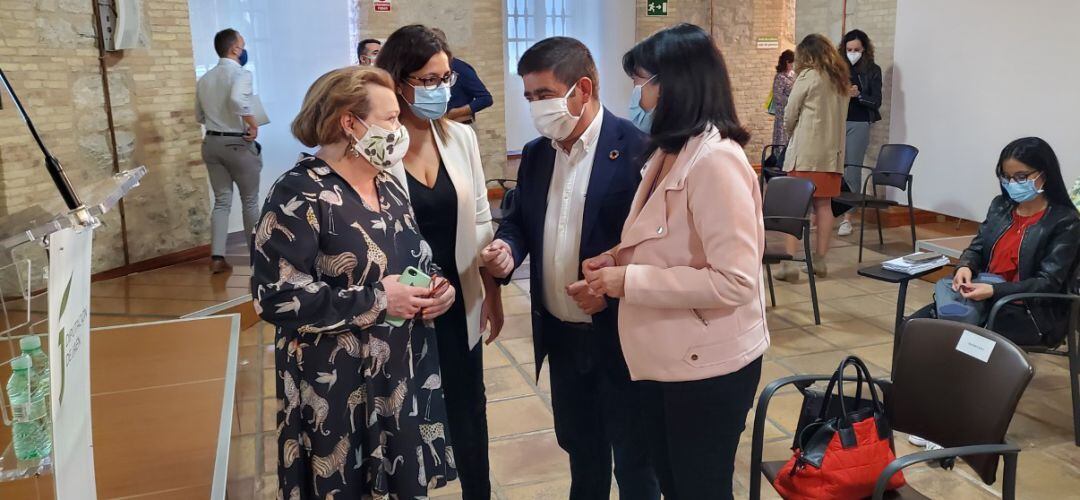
{"x": 30, "y": 343}
{"x": 23, "y": 362}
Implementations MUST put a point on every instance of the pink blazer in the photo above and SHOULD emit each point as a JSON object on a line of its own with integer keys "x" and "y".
{"x": 694, "y": 305}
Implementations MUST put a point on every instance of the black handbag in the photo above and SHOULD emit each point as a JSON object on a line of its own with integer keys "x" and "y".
{"x": 814, "y": 400}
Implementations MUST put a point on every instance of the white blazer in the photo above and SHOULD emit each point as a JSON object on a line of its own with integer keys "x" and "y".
{"x": 460, "y": 153}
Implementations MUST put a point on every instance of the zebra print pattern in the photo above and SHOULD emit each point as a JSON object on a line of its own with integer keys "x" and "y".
{"x": 349, "y": 343}
{"x": 391, "y": 406}
{"x": 290, "y": 451}
{"x": 341, "y": 264}
{"x": 265, "y": 231}
{"x": 327, "y": 466}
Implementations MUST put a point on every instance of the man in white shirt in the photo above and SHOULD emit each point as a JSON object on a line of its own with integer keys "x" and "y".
{"x": 223, "y": 103}
{"x": 575, "y": 187}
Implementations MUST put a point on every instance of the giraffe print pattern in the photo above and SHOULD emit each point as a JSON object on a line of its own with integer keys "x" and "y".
{"x": 346, "y": 381}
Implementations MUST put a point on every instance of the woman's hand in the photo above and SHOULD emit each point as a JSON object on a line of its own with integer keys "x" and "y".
{"x": 608, "y": 281}
{"x": 442, "y": 298}
{"x": 404, "y": 301}
{"x": 591, "y": 265}
{"x": 977, "y": 291}
{"x": 853, "y": 91}
{"x": 491, "y": 315}
{"x": 961, "y": 278}
{"x": 589, "y": 302}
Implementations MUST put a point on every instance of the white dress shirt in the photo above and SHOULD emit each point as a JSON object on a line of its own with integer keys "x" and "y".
{"x": 223, "y": 97}
{"x": 562, "y": 222}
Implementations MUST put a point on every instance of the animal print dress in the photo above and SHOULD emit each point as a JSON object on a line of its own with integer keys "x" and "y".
{"x": 361, "y": 412}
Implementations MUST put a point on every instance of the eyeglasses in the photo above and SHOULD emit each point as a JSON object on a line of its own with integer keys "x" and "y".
{"x": 434, "y": 82}
{"x": 1020, "y": 176}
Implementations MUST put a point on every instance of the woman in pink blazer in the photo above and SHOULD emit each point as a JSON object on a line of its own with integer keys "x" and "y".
{"x": 688, "y": 268}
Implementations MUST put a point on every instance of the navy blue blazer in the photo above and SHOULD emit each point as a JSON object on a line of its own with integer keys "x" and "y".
{"x": 616, "y": 173}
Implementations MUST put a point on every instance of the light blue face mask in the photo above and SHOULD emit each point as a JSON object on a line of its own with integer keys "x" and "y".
{"x": 1022, "y": 191}
{"x": 430, "y": 104}
{"x": 642, "y": 119}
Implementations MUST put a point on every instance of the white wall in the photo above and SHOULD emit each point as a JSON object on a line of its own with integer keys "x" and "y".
{"x": 972, "y": 75}
{"x": 607, "y": 28}
{"x": 290, "y": 44}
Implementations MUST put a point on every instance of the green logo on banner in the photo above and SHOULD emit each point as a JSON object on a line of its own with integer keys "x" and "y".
{"x": 656, "y": 7}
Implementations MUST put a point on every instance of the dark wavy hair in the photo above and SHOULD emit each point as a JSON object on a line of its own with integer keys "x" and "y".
{"x": 408, "y": 49}
{"x": 786, "y": 57}
{"x": 695, "y": 86}
{"x": 868, "y": 47}
{"x": 1037, "y": 154}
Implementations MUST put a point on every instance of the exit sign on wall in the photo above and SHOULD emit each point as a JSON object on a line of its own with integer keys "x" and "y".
{"x": 656, "y": 7}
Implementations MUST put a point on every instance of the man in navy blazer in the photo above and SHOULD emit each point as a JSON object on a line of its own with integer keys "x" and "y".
{"x": 575, "y": 187}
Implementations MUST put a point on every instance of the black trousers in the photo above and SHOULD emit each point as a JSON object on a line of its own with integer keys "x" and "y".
{"x": 466, "y": 404}
{"x": 597, "y": 414}
{"x": 694, "y": 430}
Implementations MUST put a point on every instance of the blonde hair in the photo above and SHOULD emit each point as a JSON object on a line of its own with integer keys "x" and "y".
{"x": 817, "y": 52}
{"x": 339, "y": 91}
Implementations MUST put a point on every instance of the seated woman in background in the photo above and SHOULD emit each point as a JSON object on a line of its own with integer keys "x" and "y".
{"x": 1029, "y": 239}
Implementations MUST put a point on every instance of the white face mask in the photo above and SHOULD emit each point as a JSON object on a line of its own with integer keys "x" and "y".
{"x": 381, "y": 147}
{"x": 854, "y": 57}
{"x": 552, "y": 117}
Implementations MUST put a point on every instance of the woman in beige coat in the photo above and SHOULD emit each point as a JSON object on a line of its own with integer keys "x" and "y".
{"x": 814, "y": 118}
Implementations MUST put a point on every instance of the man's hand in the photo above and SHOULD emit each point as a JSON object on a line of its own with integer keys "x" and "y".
{"x": 588, "y": 302}
{"x": 461, "y": 114}
{"x": 977, "y": 291}
{"x": 498, "y": 259}
{"x": 252, "y": 130}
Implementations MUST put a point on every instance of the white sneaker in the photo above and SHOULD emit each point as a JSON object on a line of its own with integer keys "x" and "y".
{"x": 917, "y": 441}
{"x": 844, "y": 229}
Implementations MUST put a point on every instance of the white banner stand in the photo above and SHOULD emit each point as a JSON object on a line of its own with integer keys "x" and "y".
{"x": 69, "y": 349}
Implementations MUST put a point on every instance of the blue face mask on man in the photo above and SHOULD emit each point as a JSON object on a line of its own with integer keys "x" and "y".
{"x": 642, "y": 119}
{"x": 430, "y": 104}
{"x": 1021, "y": 191}
{"x": 243, "y": 57}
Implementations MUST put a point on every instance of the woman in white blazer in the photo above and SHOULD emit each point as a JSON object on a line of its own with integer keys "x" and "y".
{"x": 446, "y": 186}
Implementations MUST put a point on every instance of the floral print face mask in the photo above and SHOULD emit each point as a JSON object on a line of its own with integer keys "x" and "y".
{"x": 381, "y": 147}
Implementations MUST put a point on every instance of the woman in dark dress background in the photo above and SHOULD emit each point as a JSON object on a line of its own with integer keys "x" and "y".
{"x": 361, "y": 415}
{"x": 445, "y": 182}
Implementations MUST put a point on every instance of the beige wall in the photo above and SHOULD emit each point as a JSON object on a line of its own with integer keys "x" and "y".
{"x": 878, "y": 19}
{"x": 735, "y": 25}
{"x": 49, "y": 51}
{"x": 476, "y": 32}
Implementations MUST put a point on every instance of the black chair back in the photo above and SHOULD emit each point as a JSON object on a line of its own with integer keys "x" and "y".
{"x": 952, "y": 398}
{"x": 788, "y": 198}
{"x": 894, "y": 164}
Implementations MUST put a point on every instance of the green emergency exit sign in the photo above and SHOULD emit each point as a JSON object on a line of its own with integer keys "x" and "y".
{"x": 656, "y": 7}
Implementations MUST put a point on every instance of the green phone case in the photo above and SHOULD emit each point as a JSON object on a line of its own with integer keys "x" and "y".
{"x": 412, "y": 277}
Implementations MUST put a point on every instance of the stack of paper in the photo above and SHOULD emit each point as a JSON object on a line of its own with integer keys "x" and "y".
{"x": 902, "y": 266}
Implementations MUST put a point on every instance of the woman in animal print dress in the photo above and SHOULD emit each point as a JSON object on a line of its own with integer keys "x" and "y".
{"x": 358, "y": 418}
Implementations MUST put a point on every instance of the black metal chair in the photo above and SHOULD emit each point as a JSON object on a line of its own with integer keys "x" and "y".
{"x": 893, "y": 169}
{"x": 509, "y": 187}
{"x": 1071, "y": 299}
{"x": 786, "y": 207}
{"x": 768, "y": 171}
{"x": 939, "y": 393}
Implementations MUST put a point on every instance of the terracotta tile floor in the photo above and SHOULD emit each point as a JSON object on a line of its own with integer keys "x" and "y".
{"x": 857, "y": 314}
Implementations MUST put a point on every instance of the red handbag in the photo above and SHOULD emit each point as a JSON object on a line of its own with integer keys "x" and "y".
{"x": 841, "y": 457}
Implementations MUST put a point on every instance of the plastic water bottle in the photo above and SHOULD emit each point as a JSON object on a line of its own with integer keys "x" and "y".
{"x": 41, "y": 380}
{"x": 28, "y": 435}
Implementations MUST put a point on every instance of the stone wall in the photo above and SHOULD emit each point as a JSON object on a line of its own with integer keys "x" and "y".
{"x": 476, "y": 32}
{"x": 49, "y": 51}
{"x": 878, "y": 19}
{"x": 735, "y": 26}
